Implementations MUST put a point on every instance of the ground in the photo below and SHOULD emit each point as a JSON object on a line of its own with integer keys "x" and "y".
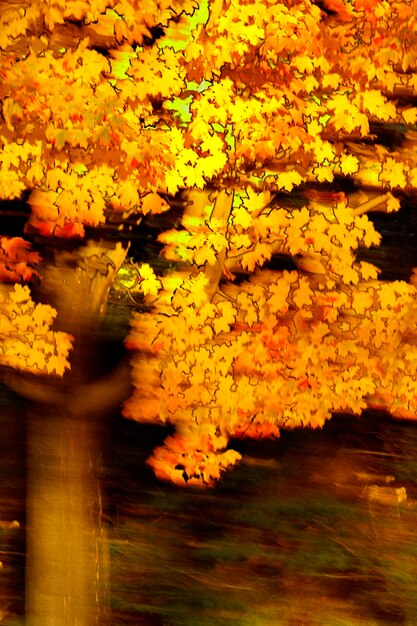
{"x": 317, "y": 528}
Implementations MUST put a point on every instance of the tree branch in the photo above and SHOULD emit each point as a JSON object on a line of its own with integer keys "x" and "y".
{"x": 100, "y": 396}
{"x": 371, "y": 205}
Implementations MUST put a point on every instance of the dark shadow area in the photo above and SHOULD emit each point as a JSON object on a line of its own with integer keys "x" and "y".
{"x": 397, "y": 254}
{"x": 316, "y": 525}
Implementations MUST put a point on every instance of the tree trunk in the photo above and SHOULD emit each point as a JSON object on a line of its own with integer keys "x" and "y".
{"x": 67, "y": 579}
{"x": 67, "y": 560}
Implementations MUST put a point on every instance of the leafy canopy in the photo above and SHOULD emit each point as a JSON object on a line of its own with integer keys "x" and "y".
{"x": 115, "y": 106}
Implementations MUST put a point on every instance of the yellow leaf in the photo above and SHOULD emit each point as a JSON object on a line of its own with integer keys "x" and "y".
{"x": 303, "y": 295}
{"x": 20, "y": 294}
{"x": 410, "y": 115}
{"x": 314, "y": 128}
{"x": 254, "y": 201}
{"x": 368, "y": 271}
{"x": 295, "y": 241}
{"x": 241, "y": 241}
{"x": 241, "y": 217}
{"x": 393, "y": 204}
{"x": 323, "y": 173}
{"x": 300, "y": 218}
{"x": 386, "y": 294}
{"x": 43, "y": 315}
{"x": 205, "y": 254}
{"x": 226, "y": 316}
{"x": 393, "y": 173}
{"x": 324, "y": 152}
{"x": 153, "y": 203}
{"x": 36, "y": 173}
{"x": 362, "y": 301}
{"x": 128, "y": 194}
{"x": 146, "y": 271}
{"x": 279, "y": 294}
{"x": 349, "y": 164}
{"x": 303, "y": 64}
{"x": 149, "y": 283}
{"x": 331, "y": 80}
{"x": 350, "y": 275}
{"x": 310, "y": 83}
{"x": 261, "y": 253}
{"x": 377, "y": 105}
{"x": 67, "y": 204}
{"x": 289, "y": 180}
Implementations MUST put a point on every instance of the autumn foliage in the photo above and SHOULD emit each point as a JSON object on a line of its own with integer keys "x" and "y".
{"x": 17, "y": 260}
{"x": 244, "y": 110}
{"x": 27, "y": 341}
{"x": 283, "y": 349}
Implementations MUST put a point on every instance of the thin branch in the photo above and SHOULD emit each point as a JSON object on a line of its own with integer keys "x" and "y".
{"x": 371, "y": 205}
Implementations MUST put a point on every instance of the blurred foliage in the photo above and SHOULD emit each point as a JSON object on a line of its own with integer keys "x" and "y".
{"x": 288, "y": 537}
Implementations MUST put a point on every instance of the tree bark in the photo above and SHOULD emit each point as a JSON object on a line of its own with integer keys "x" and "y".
{"x": 67, "y": 559}
{"x": 67, "y": 581}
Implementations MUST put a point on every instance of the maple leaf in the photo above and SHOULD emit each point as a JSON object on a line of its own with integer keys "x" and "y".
{"x": 153, "y": 203}
{"x": 332, "y": 80}
{"x": 43, "y": 315}
{"x": 225, "y": 316}
{"x": 377, "y": 104}
{"x": 350, "y": 275}
{"x": 67, "y": 204}
{"x": 128, "y": 195}
{"x": 349, "y": 164}
{"x": 149, "y": 283}
{"x": 393, "y": 203}
{"x": 393, "y": 173}
{"x": 303, "y": 295}
{"x": 279, "y": 295}
{"x": 314, "y": 128}
{"x": 323, "y": 173}
{"x": 324, "y": 152}
{"x": 368, "y": 271}
{"x": 241, "y": 217}
{"x": 205, "y": 254}
{"x": 250, "y": 309}
{"x": 36, "y": 173}
{"x": 261, "y": 252}
{"x": 371, "y": 236}
{"x": 300, "y": 218}
{"x": 20, "y": 294}
{"x": 386, "y": 294}
{"x": 289, "y": 180}
{"x": 410, "y": 115}
{"x": 362, "y": 301}
{"x": 295, "y": 241}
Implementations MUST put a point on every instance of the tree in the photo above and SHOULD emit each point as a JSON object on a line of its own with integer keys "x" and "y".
{"x": 247, "y": 112}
